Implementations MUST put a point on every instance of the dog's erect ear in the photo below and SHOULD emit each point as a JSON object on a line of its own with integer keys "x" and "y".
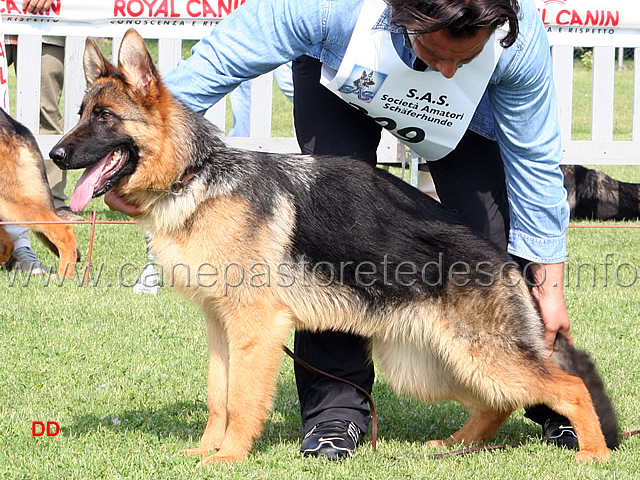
{"x": 95, "y": 64}
{"x": 135, "y": 63}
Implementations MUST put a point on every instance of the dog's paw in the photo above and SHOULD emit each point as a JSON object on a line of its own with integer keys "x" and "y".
{"x": 192, "y": 452}
{"x": 436, "y": 444}
{"x": 68, "y": 270}
{"x": 447, "y": 442}
{"x": 589, "y": 456}
{"x": 222, "y": 457}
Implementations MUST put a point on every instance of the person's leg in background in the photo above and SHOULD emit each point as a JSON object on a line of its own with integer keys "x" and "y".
{"x": 240, "y": 99}
{"x": 51, "y": 83}
{"x": 325, "y": 124}
{"x": 283, "y": 75}
{"x": 149, "y": 281}
{"x": 333, "y": 414}
{"x": 471, "y": 181}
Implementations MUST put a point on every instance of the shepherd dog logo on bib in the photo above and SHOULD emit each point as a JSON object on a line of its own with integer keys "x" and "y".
{"x": 363, "y": 83}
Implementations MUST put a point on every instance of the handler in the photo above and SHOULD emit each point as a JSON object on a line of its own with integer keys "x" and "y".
{"x": 489, "y": 129}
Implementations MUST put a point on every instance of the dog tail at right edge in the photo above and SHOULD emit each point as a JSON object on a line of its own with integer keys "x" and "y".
{"x": 578, "y": 363}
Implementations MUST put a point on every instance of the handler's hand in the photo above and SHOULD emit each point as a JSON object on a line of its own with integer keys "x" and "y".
{"x": 548, "y": 281}
{"x": 36, "y": 6}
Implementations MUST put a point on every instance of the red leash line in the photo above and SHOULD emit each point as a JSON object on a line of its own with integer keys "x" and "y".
{"x": 64, "y": 222}
{"x": 604, "y": 226}
{"x": 92, "y": 220}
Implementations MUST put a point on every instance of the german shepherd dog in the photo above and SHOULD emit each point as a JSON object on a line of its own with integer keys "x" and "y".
{"x": 352, "y": 248}
{"x": 25, "y": 195}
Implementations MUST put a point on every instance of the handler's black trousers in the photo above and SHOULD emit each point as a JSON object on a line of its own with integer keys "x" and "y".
{"x": 470, "y": 180}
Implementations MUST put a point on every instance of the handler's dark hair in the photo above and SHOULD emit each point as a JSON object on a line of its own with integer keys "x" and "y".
{"x": 461, "y": 18}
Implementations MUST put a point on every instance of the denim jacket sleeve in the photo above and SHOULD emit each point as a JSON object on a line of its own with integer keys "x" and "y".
{"x": 257, "y": 38}
{"x": 524, "y": 104}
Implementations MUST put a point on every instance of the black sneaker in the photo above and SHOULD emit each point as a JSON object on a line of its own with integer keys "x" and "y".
{"x": 560, "y": 434}
{"x": 334, "y": 439}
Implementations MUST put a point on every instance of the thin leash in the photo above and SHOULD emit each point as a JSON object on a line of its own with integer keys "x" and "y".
{"x": 464, "y": 451}
{"x": 374, "y": 416}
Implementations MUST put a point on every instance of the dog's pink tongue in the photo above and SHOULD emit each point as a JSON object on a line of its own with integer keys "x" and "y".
{"x": 86, "y": 186}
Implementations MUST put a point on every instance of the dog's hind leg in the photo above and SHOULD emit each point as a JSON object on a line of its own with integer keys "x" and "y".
{"x": 217, "y": 388}
{"x": 479, "y": 428}
{"x": 569, "y": 396}
{"x": 255, "y": 336}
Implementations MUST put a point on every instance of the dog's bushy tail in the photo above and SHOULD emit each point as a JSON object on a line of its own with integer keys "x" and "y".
{"x": 578, "y": 363}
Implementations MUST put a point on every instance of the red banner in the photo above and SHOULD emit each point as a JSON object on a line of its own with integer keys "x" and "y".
{"x": 591, "y": 22}
{"x": 152, "y": 18}
{"x": 571, "y": 22}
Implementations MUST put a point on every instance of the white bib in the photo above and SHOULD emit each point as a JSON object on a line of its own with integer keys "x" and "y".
{"x": 425, "y": 110}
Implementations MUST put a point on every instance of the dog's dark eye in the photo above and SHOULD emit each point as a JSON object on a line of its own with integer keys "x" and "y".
{"x": 102, "y": 114}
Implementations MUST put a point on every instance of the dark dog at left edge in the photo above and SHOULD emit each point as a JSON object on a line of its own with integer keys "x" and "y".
{"x": 314, "y": 244}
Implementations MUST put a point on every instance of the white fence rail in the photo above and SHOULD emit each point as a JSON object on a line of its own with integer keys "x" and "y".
{"x": 600, "y": 149}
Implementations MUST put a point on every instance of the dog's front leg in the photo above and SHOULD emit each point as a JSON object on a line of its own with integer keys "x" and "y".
{"x": 217, "y": 388}
{"x": 256, "y": 334}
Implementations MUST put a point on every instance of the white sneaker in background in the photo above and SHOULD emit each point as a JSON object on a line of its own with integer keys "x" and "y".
{"x": 148, "y": 281}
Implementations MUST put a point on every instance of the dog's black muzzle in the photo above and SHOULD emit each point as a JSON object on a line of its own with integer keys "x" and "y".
{"x": 60, "y": 156}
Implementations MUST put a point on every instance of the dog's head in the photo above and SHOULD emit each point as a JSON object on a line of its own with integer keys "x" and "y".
{"x": 120, "y": 136}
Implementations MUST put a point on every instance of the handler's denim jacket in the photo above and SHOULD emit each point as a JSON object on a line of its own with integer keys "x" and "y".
{"x": 518, "y": 109}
